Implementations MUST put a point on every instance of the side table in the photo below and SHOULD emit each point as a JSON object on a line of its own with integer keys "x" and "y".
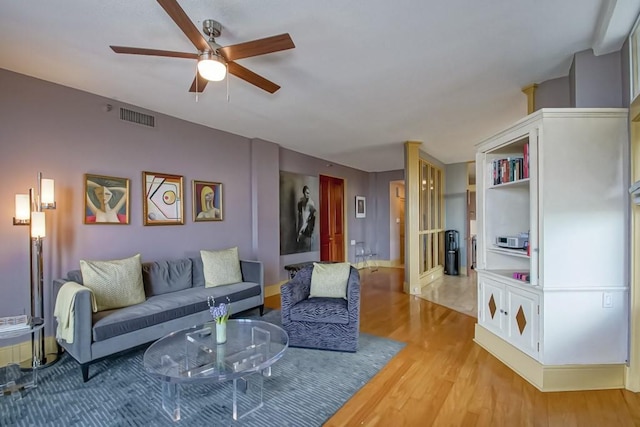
{"x": 12, "y": 379}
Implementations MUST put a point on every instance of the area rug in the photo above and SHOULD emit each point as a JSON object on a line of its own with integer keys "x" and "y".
{"x": 306, "y": 388}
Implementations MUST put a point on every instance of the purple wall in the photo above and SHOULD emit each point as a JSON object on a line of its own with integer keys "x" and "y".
{"x": 553, "y": 93}
{"x": 357, "y": 184}
{"x": 380, "y": 233}
{"x": 597, "y": 80}
{"x": 65, "y": 133}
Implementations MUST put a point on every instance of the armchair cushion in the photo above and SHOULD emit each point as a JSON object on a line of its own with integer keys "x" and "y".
{"x": 330, "y": 280}
{"x": 321, "y": 310}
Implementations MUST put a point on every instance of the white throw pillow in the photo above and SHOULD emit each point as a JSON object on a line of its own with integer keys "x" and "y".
{"x": 115, "y": 283}
{"x": 221, "y": 267}
{"x": 330, "y": 280}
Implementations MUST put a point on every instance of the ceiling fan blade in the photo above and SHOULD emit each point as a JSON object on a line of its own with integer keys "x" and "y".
{"x": 178, "y": 15}
{"x": 199, "y": 82}
{"x": 153, "y": 52}
{"x": 251, "y": 77}
{"x": 257, "y": 47}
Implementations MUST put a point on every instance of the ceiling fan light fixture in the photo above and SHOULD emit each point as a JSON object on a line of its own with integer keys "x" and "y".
{"x": 212, "y": 67}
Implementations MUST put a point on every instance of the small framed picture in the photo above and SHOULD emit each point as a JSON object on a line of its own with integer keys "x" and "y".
{"x": 207, "y": 201}
{"x": 361, "y": 207}
{"x": 106, "y": 200}
{"x": 163, "y": 199}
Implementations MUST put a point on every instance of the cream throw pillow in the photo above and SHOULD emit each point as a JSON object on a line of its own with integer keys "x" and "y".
{"x": 330, "y": 280}
{"x": 115, "y": 283}
{"x": 221, "y": 267}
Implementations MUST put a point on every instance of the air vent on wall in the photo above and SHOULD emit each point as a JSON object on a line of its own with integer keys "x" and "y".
{"x": 136, "y": 117}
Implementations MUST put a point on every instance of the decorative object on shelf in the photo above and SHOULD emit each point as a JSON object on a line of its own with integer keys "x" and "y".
{"x": 163, "y": 199}
{"x": 207, "y": 201}
{"x": 361, "y": 207}
{"x": 220, "y": 314}
{"x": 106, "y": 200}
{"x": 29, "y": 211}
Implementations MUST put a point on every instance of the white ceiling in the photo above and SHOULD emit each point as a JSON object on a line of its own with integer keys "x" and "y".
{"x": 365, "y": 76}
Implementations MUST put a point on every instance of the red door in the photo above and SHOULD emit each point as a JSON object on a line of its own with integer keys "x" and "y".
{"x": 331, "y": 219}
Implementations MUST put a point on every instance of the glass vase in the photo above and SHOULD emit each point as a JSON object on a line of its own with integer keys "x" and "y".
{"x": 221, "y": 333}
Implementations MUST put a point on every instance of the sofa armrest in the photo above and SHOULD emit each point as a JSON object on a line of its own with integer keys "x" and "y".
{"x": 80, "y": 349}
{"x": 252, "y": 271}
{"x": 353, "y": 295}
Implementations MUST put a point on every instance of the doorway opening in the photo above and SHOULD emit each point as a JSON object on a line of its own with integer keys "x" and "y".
{"x": 396, "y": 223}
{"x": 471, "y": 217}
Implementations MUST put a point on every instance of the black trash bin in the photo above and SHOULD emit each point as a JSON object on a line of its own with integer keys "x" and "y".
{"x": 452, "y": 251}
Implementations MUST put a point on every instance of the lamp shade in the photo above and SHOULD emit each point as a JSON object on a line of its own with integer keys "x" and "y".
{"x": 23, "y": 207}
{"x": 47, "y": 195}
{"x": 211, "y": 67}
{"x": 38, "y": 228}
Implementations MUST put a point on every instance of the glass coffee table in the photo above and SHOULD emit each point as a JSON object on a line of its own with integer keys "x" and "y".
{"x": 192, "y": 356}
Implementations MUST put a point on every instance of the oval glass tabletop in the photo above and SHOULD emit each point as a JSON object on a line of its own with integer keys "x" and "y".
{"x": 192, "y": 354}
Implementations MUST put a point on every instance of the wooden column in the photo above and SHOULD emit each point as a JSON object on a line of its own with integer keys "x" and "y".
{"x": 412, "y": 217}
{"x": 530, "y": 91}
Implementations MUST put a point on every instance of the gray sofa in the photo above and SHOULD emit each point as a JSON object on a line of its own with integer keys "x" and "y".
{"x": 176, "y": 298}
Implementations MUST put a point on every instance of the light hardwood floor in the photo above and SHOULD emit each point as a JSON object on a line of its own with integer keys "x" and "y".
{"x": 443, "y": 378}
{"x": 459, "y": 293}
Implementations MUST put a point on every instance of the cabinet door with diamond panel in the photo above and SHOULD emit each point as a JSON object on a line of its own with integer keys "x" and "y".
{"x": 523, "y": 320}
{"x": 492, "y": 304}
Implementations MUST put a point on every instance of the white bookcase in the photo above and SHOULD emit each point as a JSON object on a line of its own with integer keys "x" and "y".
{"x": 573, "y": 310}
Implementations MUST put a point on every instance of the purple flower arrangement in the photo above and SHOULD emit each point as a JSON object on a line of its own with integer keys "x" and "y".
{"x": 220, "y": 312}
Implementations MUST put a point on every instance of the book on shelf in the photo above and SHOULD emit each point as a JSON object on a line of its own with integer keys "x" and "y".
{"x": 507, "y": 170}
{"x": 14, "y": 323}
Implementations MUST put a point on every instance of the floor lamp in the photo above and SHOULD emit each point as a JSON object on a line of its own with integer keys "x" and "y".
{"x": 29, "y": 211}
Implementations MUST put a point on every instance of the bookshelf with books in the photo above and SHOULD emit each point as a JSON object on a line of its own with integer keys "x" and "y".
{"x": 550, "y": 247}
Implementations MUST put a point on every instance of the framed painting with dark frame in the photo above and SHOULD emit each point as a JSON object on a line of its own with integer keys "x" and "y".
{"x": 207, "y": 201}
{"x": 106, "y": 200}
{"x": 361, "y": 207}
{"x": 163, "y": 201}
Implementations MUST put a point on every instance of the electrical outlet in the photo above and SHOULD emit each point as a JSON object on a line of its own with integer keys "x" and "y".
{"x": 607, "y": 300}
{"x": 353, "y": 243}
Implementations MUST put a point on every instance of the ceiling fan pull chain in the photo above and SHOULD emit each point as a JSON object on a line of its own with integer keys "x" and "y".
{"x": 197, "y": 79}
{"x": 227, "y": 88}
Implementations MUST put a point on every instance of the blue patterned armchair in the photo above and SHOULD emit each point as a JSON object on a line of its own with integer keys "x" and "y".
{"x": 319, "y": 322}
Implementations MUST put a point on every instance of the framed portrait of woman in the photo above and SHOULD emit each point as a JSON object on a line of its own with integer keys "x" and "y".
{"x": 163, "y": 199}
{"x": 106, "y": 200}
{"x": 207, "y": 201}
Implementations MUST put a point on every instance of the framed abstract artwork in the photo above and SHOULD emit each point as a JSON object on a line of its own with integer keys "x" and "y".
{"x": 361, "y": 207}
{"x": 106, "y": 200}
{"x": 163, "y": 199}
{"x": 207, "y": 201}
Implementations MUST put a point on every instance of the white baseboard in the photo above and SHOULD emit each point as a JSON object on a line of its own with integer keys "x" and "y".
{"x": 551, "y": 378}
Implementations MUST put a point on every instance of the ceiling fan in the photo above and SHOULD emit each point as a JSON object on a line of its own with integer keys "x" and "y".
{"x": 214, "y": 60}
